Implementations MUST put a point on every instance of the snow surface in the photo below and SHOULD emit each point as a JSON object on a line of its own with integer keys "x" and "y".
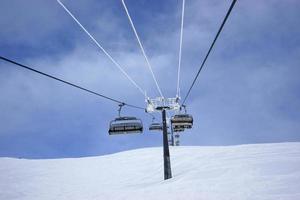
{"x": 260, "y": 171}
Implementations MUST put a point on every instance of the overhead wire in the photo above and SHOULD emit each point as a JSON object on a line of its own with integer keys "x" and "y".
{"x": 69, "y": 83}
{"x": 180, "y": 49}
{"x": 102, "y": 49}
{"x": 210, "y": 48}
{"x": 142, "y": 48}
{"x": 143, "y": 51}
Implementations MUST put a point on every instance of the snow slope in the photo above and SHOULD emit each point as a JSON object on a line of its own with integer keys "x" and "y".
{"x": 260, "y": 171}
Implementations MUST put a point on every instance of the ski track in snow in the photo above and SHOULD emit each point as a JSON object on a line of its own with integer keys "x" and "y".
{"x": 258, "y": 171}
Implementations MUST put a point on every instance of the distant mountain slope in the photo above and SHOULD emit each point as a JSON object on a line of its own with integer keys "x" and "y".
{"x": 260, "y": 171}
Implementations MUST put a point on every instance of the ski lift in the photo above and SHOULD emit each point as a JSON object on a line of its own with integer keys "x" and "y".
{"x": 125, "y": 125}
{"x": 155, "y": 127}
{"x": 182, "y": 121}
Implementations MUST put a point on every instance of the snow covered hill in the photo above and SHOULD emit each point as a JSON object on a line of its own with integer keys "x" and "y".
{"x": 260, "y": 171}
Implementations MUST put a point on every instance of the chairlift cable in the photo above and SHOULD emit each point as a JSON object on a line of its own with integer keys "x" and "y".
{"x": 102, "y": 49}
{"x": 142, "y": 48}
{"x": 180, "y": 50}
{"x": 69, "y": 83}
{"x": 212, "y": 45}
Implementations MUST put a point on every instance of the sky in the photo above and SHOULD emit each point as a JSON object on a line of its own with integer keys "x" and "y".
{"x": 248, "y": 91}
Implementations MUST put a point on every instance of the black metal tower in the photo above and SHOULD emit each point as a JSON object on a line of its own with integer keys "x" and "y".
{"x": 167, "y": 162}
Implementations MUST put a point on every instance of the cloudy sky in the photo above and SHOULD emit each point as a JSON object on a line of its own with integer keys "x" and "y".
{"x": 248, "y": 91}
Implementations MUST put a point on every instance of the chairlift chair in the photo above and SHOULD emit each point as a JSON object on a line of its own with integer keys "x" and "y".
{"x": 125, "y": 125}
{"x": 155, "y": 127}
{"x": 182, "y": 121}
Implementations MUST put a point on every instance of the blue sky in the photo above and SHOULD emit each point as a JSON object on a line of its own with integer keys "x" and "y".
{"x": 248, "y": 91}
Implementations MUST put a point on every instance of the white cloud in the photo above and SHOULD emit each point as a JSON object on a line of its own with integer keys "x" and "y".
{"x": 245, "y": 93}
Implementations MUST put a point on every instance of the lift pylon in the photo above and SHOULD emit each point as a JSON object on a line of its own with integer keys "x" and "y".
{"x": 166, "y": 154}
